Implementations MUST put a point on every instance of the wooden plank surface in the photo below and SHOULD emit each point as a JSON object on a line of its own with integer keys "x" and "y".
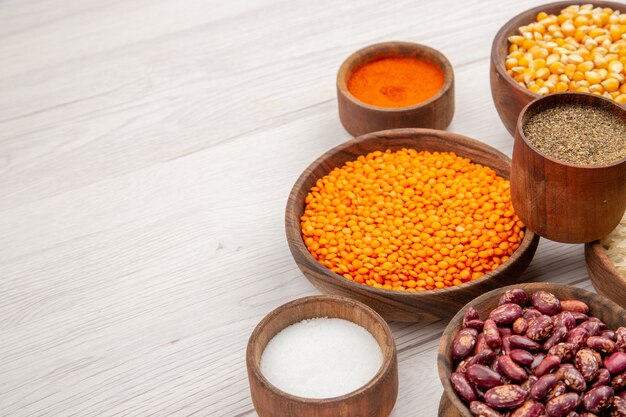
{"x": 147, "y": 149}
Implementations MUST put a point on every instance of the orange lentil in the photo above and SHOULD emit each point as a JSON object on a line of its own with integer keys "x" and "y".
{"x": 397, "y": 230}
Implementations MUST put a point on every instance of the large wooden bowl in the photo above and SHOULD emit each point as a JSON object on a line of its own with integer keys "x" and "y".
{"x": 359, "y": 118}
{"x": 604, "y": 275}
{"x": 508, "y": 96}
{"x": 606, "y": 310}
{"x": 375, "y": 399}
{"x": 396, "y": 305}
{"x": 562, "y": 201}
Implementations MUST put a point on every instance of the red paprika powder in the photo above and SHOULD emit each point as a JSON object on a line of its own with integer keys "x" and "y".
{"x": 396, "y": 82}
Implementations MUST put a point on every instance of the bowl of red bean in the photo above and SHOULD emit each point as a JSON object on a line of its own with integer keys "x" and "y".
{"x": 412, "y": 222}
{"x": 538, "y": 349}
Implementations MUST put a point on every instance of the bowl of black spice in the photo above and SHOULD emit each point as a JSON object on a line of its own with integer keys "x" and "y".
{"x": 568, "y": 177}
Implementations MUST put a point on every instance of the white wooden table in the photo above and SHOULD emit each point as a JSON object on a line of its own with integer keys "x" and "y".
{"x": 147, "y": 149}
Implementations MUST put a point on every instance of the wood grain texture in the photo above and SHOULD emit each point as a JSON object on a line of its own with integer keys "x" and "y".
{"x": 563, "y": 201}
{"x": 509, "y": 97}
{"x": 375, "y": 399}
{"x": 604, "y": 309}
{"x": 397, "y": 305}
{"x": 359, "y": 118}
{"x": 604, "y": 275}
{"x": 147, "y": 149}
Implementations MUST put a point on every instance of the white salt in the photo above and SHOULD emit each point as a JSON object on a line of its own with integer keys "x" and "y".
{"x": 321, "y": 358}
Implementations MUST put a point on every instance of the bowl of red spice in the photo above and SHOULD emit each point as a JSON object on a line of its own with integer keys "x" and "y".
{"x": 412, "y": 222}
{"x": 395, "y": 85}
{"x": 532, "y": 350}
{"x": 557, "y": 47}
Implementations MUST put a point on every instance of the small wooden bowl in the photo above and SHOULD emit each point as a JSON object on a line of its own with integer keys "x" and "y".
{"x": 399, "y": 305}
{"x": 604, "y": 275}
{"x": 606, "y": 310}
{"x": 376, "y": 398}
{"x": 508, "y": 96}
{"x": 359, "y": 118}
{"x": 562, "y": 201}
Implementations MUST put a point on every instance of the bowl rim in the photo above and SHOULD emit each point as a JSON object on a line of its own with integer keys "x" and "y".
{"x": 564, "y": 98}
{"x": 502, "y": 37}
{"x": 445, "y": 66}
{"x": 294, "y": 231}
{"x": 453, "y": 326}
{"x": 385, "y": 367}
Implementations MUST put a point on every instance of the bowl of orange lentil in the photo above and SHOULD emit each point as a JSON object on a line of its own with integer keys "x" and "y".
{"x": 557, "y": 47}
{"x": 412, "y": 222}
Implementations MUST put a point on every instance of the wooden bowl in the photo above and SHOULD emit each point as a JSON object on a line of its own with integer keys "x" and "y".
{"x": 604, "y": 275}
{"x": 508, "y": 96}
{"x": 376, "y": 398}
{"x": 561, "y": 201}
{"x": 606, "y": 310}
{"x": 399, "y": 305}
{"x": 359, "y": 118}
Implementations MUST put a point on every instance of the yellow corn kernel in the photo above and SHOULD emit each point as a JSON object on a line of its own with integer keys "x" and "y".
{"x": 560, "y": 87}
{"x": 585, "y": 66}
{"x": 516, "y": 40}
{"x": 543, "y": 91}
{"x": 541, "y": 16}
{"x": 596, "y": 88}
{"x": 527, "y": 44}
{"x": 621, "y": 99}
{"x": 568, "y": 28}
{"x": 593, "y": 77}
{"x": 582, "y": 89}
{"x": 557, "y": 68}
{"x": 570, "y": 69}
{"x": 533, "y": 87}
{"x": 575, "y": 59}
{"x": 542, "y": 73}
{"x": 595, "y": 32}
{"x": 615, "y": 66}
{"x": 510, "y": 63}
{"x": 528, "y": 75}
{"x": 581, "y": 21}
{"x": 610, "y": 85}
{"x": 553, "y": 78}
{"x": 622, "y": 89}
{"x": 538, "y": 63}
{"x": 578, "y": 75}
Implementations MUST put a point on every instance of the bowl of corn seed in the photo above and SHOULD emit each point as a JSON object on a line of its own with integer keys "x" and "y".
{"x": 559, "y": 47}
{"x": 412, "y": 222}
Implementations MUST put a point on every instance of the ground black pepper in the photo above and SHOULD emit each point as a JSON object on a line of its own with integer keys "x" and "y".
{"x": 577, "y": 134}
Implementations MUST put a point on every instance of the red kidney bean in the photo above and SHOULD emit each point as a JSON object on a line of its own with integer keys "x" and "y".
{"x": 463, "y": 387}
{"x": 572, "y": 414}
{"x": 601, "y": 344}
{"x": 492, "y": 335}
{"x": 504, "y": 331}
{"x": 616, "y": 363}
{"x": 579, "y": 317}
{"x": 577, "y": 336}
{"x": 566, "y": 319}
{"x": 572, "y": 378}
{"x": 601, "y": 325}
{"x": 619, "y": 382}
{"x": 505, "y": 397}
{"x": 609, "y": 334}
{"x": 474, "y": 324}
{"x": 483, "y": 410}
{"x": 480, "y": 343}
{"x": 527, "y": 385}
{"x": 546, "y": 302}
{"x": 543, "y": 386}
{"x": 511, "y": 370}
{"x": 559, "y": 389}
{"x": 530, "y": 313}
{"x": 574, "y": 305}
{"x": 537, "y": 360}
{"x": 463, "y": 343}
{"x": 622, "y": 394}
{"x": 485, "y": 357}
{"x": 521, "y": 356}
{"x": 516, "y": 296}
{"x": 603, "y": 377}
{"x": 592, "y": 327}
{"x": 598, "y": 399}
{"x": 563, "y": 404}
{"x": 620, "y": 339}
{"x": 470, "y": 314}
{"x": 523, "y": 342}
{"x": 585, "y": 414}
{"x": 587, "y": 363}
{"x": 547, "y": 365}
{"x": 483, "y": 377}
{"x": 530, "y": 408}
{"x": 619, "y": 407}
{"x": 506, "y": 345}
{"x": 506, "y": 313}
{"x": 539, "y": 328}
{"x": 557, "y": 335}
{"x": 565, "y": 351}
{"x": 519, "y": 326}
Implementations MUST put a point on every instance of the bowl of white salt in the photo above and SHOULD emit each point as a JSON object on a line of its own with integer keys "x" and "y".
{"x": 322, "y": 356}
